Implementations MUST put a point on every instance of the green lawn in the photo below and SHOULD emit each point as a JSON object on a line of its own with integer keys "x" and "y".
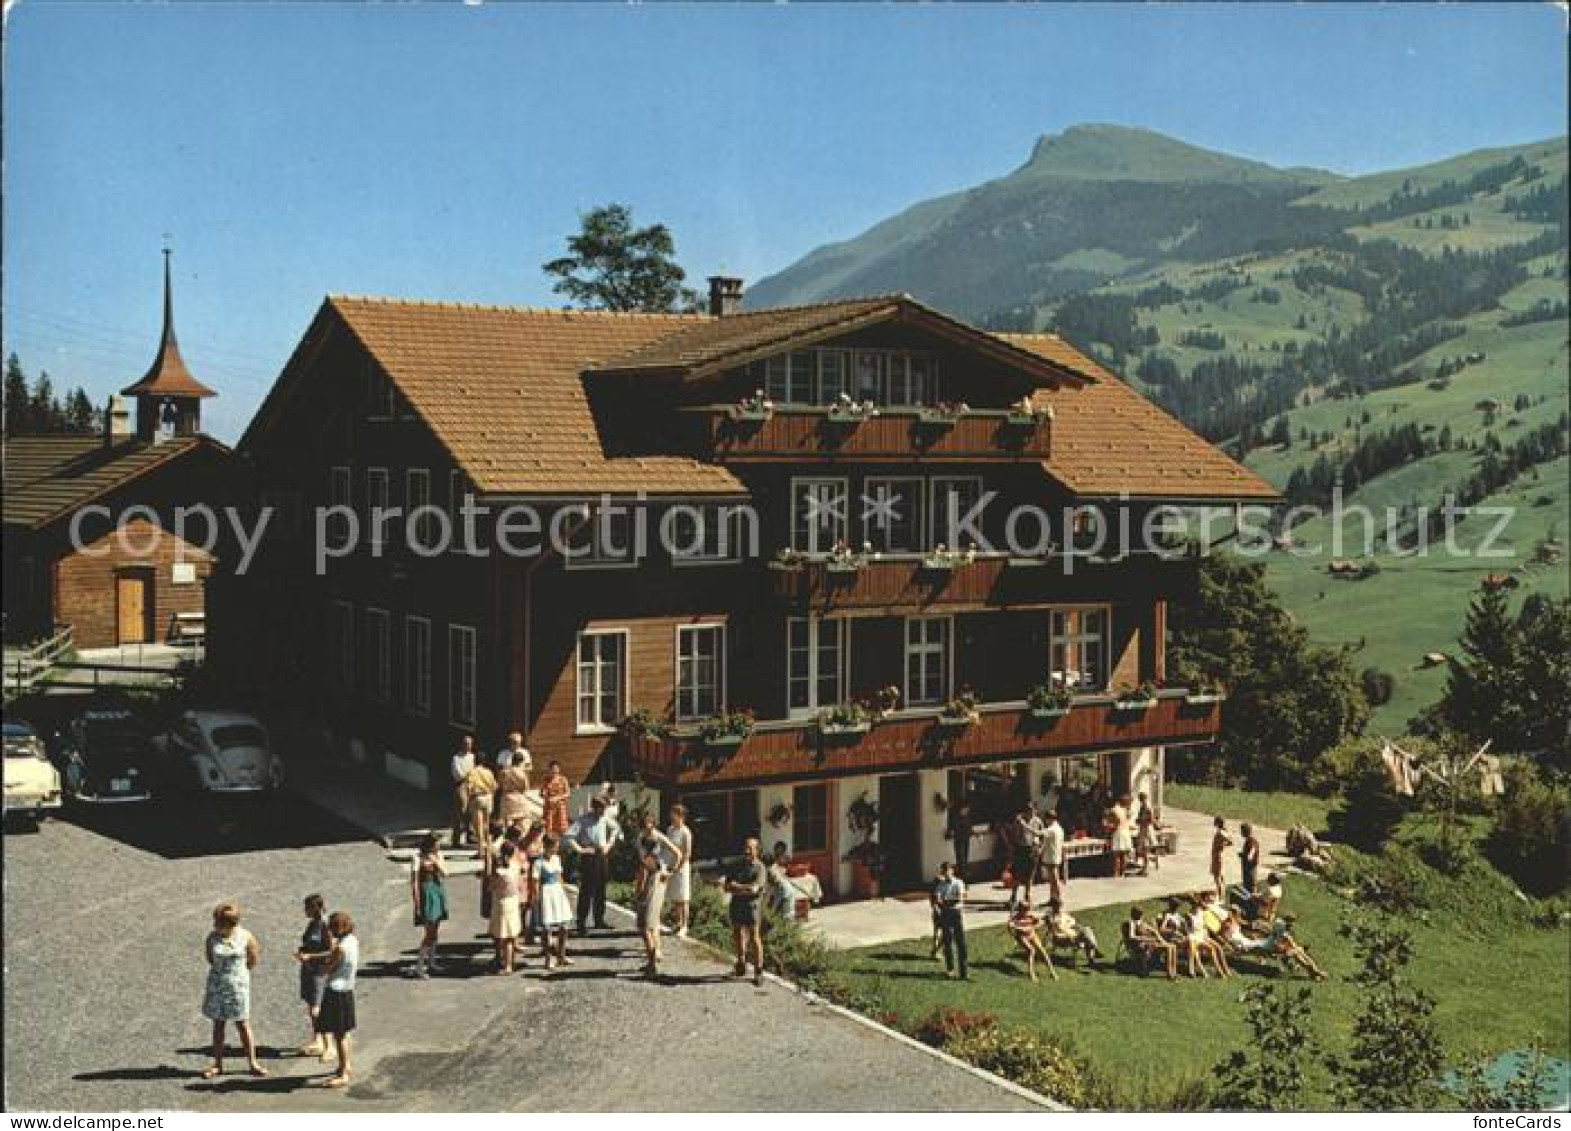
{"x": 1497, "y": 989}
{"x": 1273, "y": 810}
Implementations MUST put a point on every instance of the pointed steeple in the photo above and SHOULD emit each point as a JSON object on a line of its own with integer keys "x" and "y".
{"x": 168, "y": 376}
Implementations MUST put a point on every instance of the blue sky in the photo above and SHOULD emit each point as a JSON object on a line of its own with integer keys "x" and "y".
{"x": 445, "y": 151}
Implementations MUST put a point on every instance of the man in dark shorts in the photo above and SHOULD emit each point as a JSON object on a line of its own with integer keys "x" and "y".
{"x": 1024, "y": 852}
{"x": 745, "y": 883}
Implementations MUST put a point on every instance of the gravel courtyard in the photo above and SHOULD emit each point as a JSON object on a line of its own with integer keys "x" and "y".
{"x": 104, "y": 922}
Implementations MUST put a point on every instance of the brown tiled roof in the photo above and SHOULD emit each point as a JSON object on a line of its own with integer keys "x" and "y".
{"x": 502, "y": 389}
{"x": 47, "y": 477}
{"x": 1110, "y": 440}
{"x": 713, "y": 344}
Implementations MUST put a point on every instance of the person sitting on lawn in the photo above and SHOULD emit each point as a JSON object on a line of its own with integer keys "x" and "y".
{"x": 1172, "y": 926}
{"x": 1146, "y": 944}
{"x": 1065, "y": 931}
{"x": 1277, "y": 941}
{"x": 1270, "y": 899}
{"x": 1199, "y": 945}
{"x": 1023, "y": 924}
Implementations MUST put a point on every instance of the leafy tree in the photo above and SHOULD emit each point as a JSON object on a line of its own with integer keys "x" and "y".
{"x": 1287, "y": 700}
{"x": 612, "y": 265}
{"x": 1393, "y": 1061}
{"x": 1525, "y": 1090}
{"x": 1271, "y": 1072}
{"x": 1370, "y": 810}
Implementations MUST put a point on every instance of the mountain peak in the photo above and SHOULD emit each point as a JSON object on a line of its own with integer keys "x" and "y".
{"x": 1100, "y": 151}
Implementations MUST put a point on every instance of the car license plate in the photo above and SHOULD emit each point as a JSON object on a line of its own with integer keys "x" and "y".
{"x": 120, "y": 785}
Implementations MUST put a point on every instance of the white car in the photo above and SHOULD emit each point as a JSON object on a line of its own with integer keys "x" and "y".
{"x": 32, "y": 784}
{"x": 217, "y": 751}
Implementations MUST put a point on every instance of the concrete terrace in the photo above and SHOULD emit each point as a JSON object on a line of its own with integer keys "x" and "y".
{"x": 870, "y": 922}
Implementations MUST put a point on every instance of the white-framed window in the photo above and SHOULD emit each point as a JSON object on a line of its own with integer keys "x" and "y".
{"x": 700, "y": 671}
{"x": 461, "y": 675}
{"x": 709, "y": 533}
{"x": 868, "y": 377}
{"x": 417, "y": 494}
{"x": 378, "y": 655}
{"x": 819, "y": 514}
{"x": 417, "y": 665}
{"x": 817, "y": 656}
{"x": 1078, "y": 646}
{"x": 603, "y": 540}
{"x": 892, "y": 514}
{"x": 928, "y": 660}
{"x": 834, "y": 375}
{"x": 950, "y": 500}
{"x": 602, "y": 680}
{"x": 376, "y": 498}
{"x": 343, "y": 645}
{"x": 910, "y": 379}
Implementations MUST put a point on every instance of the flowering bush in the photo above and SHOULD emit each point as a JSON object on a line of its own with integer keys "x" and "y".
{"x": 731, "y": 725}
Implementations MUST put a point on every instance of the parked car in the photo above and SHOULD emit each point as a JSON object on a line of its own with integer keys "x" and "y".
{"x": 106, "y": 755}
{"x": 218, "y": 751}
{"x": 32, "y": 784}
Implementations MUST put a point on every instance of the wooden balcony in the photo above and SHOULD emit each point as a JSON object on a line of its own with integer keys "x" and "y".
{"x": 895, "y": 435}
{"x": 906, "y": 583}
{"x": 912, "y": 740}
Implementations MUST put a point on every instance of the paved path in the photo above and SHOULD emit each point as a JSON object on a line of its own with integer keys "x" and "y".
{"x": 104, "y": 974}
{"x": 874, "y": 921}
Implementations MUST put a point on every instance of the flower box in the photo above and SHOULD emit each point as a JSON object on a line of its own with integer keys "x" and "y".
{"x": 786, "y": 567}
{"x": 836, "y": 730}
{"x": 843, "y": 565}
{"x": 955, "y": 722}
{"x": 936, "y": 418}
{"x": 848, "y": 417}
{"x": 1027, "y": 563}
{"x": 1049, "y": 712}
{"x": 749, "y": 415}
{"x": 1202, "y": 698}
{"x": 937, "y": 563}
{"x": 723, "y": 741}
{"x": 1135, "y": 703}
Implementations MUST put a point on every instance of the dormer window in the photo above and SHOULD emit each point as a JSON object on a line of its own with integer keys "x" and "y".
{"x": 823, "y": 376}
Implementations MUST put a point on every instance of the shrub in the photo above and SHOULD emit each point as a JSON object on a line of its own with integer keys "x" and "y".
{"x": 1529, "y": 836}
{"x": 1370, "y": 809}
{"x": 1045, "y": 1066}
{"x": 946, "y": 1023}
{"x": 1379, "y": 685}
{"x": 1334, "y": 768}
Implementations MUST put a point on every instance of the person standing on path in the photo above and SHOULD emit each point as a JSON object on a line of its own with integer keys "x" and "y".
{"x": 554, "y": 792}
{"x": 315, "y": 945}
{"x": 1220, "y": 843}
{"x": 479, "y": 791}
{"x": 232, "y": 953}
{"x": 654, "y": 849}
{"x": 594, "y": 834}
{"x": 512, "y": 793}
{"x": 1025, "y": 852}
{"x": 679, "y": 889}
{"x": 1122, "y": 838}
{"x": 1053, "y": 855}
{"x": 506, "y": 920}
{"x": 336, "y": 1019}
{"x": 745, "y": 883}
{"x": 1145, "y": 836}
{"x": 552, "y": 912}
{"x": 1249, "y": 861}
{"x": 428, "y": 887}
{"x": 458, "y": 769}
{"x": 949, "y": 895}
{"x": 515, "y": 756}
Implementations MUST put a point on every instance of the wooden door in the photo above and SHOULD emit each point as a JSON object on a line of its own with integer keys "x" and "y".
{"x": 133, "y": 608}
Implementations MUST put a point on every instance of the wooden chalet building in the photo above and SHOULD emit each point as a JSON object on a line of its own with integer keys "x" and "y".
{"x": 407, "y": 403}
{"x": 146, "y": 584}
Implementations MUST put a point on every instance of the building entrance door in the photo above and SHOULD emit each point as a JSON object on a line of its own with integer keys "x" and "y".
{"x": 900, "y": 830}
{"x": 133, "y": 608}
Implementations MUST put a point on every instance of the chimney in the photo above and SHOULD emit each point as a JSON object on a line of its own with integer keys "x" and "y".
{"x": 725, "y": 295}
{"x": 117, "y": 421}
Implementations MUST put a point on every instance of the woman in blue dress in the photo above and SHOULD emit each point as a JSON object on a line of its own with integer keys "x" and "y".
{"x": 428, "y": 884}
{"x": 232, "y": 952}
{"x": 552, "y": 911}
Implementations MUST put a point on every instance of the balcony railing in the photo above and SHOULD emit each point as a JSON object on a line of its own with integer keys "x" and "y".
{"x": 920, "y": 739}
{"x": 916, "y": 581}
{"x": 893, "y": 435}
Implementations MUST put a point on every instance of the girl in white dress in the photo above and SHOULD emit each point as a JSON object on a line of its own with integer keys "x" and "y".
{"x": 1123, "y": 836}
{"x": 552, "y": 911}
{"x": 679, "y": 887}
